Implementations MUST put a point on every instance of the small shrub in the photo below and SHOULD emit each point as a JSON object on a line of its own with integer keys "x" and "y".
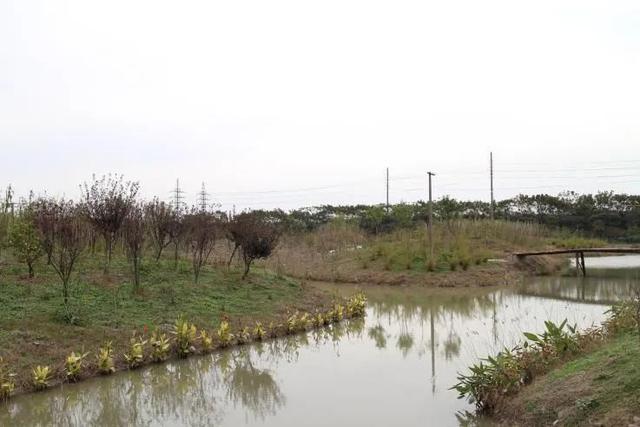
{"x": 258, "y": 332}
{"x": 292, "y": 323}
{"x": 224, "y": 333}
{"x": 356, "y": 305}
{"x": 337, "y": 314}
{"x": 319, "y": 320}
{"x": 244, "y": 336}
{"x": 305, "y": 321}
{"x": 206, "y": 340}
{"x": 7, "y": 384}
{"x": 186, "y": 335}
{"x": 105, "y": 359}
{"x": 135, "y": 356}
{"x": 41, "y": 377}
{"x": 160, "y": 346}
{"x": 73, "y": 365}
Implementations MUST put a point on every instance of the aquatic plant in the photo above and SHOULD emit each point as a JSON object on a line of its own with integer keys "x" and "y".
{"x": 73, "y": 365}
{"x": 356, "y": 305}
{"x": 186, "y": 335}
{"x": 41, "y": 377}
{"x": 160, "y": 346}
{"x": 135, "y": 356}
{"x": 337, "y": 314}
{"x": 105, "y": 359}
{"x": 7, "y": 384}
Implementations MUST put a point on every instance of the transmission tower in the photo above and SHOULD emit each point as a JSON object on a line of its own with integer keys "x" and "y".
{"x": 203, "y": 198}
{"x": 178, "y": 197}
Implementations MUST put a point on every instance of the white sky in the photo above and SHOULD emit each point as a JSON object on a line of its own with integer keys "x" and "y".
{"x": 297, "y": 103}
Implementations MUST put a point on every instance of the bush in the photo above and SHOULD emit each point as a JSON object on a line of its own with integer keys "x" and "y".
{"x": 25, "y": 241}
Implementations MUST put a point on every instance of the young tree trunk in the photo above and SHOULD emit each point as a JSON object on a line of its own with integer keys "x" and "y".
{"x": 109, "y": 249}
{"x": 175, "y": 257}
{"x": 30, "y": 265}
{"x": 235, "y": 249}
{"x": 159, "y": 253}
{"x": 247, "y": 266}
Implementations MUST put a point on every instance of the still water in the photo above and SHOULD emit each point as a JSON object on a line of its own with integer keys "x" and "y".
{"x": 395, "y": 367}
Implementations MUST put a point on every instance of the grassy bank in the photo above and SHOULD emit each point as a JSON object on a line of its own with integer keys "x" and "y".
{"x": 601, "y": 387}
{"x": 563, "y": 376}
{"x": 341, "y": 252}
{"x": 36, "y": 329}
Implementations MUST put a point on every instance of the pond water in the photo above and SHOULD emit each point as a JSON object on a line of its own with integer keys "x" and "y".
{"x": 395, "y": 367}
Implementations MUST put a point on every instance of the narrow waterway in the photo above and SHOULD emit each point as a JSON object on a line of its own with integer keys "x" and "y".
{"x": 395, "y": 367}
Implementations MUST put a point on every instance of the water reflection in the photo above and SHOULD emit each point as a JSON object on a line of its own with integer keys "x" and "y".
{"x": 395, "y": 366}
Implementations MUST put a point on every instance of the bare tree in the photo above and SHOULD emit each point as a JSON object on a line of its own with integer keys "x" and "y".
{"x": 233, "y": 231}
{"x": 161, "y": 221}
{"x": 254, "y": 236}
{"x": 201, "y": 229}
{"x": 69, "y": 239}
{"x": 106, "y": 204}
{"x": 45, "y": 212}
{"x": 134, "y": 235}
{"x": 176, "y": 232}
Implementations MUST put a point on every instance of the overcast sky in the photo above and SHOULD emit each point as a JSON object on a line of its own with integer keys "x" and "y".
{"x": 298, "y": 103}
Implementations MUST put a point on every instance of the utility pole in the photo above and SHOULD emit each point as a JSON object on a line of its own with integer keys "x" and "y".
{"x": 430, "y": 218}
{"x": 387, "y": 190}
{"x": 493, "y": 204}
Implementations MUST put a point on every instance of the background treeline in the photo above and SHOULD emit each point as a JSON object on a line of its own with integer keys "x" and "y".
{"x": 604, "y": 215}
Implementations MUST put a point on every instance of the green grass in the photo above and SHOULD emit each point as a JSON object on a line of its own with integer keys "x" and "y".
{"x": 33, "y": 329}
{"x": 602, "y": 386}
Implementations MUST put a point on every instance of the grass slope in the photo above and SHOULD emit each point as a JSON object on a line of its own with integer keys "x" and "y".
{"x": 598, "y": 388}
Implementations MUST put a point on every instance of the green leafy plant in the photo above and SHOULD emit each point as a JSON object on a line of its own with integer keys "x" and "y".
{"x": 356, "y": 305}
{"x": 292, "y": 323}
{"x": 244, "y": 336}
{"x": 206, "y": 340}
{"x": 224, "y": 333}
{"x": 41, "y": 377}
{"x": 305, "y": 321}
{"x": 73, "y": 365}
{"x": 160, "y": 346}
{"x": 24, "y": 239}
{"x": 135, "y": 356}
{"x": 337, "y": 314}
{"x": 258, "y": 332}
{"x": 186, "y": 335}
{"x": 559, "y": 339}
{"x": 105, "y": 359}
{"x": 7, "y": 383}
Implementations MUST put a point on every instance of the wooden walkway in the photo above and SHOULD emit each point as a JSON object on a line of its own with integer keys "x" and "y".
{"x": 579, "y": 254}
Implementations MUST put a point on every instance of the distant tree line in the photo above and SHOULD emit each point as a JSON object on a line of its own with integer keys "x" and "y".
{"x": 604, "y": 215}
